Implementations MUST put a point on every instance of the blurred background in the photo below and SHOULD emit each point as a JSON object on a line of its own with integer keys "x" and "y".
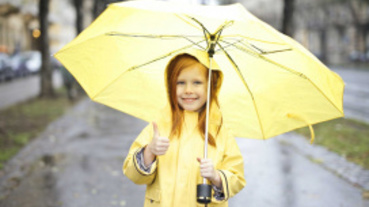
{"x": 45, "y": 117}
{"x": 334, "y": 30}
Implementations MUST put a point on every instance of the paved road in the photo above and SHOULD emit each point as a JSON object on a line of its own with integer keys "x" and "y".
{"x": 279, "y": 176}
{"x": 356, "y": 96}
{"x": 77, "y": 162}
{"x": 22, "y": 89}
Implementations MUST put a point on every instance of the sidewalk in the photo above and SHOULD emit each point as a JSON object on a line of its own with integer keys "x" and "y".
{"x": 77, "y": 161}
{"x": 23, "y": 89}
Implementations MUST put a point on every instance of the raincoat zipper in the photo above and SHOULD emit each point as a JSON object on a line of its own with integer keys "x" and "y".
{"x": 176, "y": 172}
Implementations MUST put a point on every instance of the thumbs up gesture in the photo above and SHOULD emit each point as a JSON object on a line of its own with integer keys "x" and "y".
{"x": 159, "y": 145}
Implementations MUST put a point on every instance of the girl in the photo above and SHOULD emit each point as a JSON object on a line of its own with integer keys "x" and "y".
{"x": 166, "y": 155}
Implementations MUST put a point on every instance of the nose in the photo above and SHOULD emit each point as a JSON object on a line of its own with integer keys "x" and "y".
{"x": 188, "y": 89}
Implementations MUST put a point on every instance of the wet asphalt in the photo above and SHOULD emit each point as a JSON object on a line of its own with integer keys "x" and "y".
{"x": 22, "y": 89}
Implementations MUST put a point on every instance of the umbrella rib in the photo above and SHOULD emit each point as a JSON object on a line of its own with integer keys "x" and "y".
{"x": 233, "y": 44}
{"x": 143, "y": 64}
{"x": 254, "y": 48}
{"x": 187, "y": 37}
{"x": 291, "y": 71}
{"x": 159, "y": 58}
{"x": 200, "y": 29}
{"x": 246, "y": 85}
{"x": 270, "y": 61}
{"x": 151, "y": 36}
{"x": 254, "y": 39}
{"x": 266, "y": 52}
{"x": 163, "y": 56}
{"x": 204, "y": 30}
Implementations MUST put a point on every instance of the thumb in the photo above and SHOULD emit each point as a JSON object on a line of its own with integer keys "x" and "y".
{"x": 156, "y": 130}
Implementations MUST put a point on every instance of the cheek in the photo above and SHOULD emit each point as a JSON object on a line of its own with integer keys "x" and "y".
{"x": 178, "y": 91}
{"x": 204, "y": 90}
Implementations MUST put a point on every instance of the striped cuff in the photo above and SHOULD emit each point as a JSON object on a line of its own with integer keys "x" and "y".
{"x": 218, "y": 193}
{"x": 141, "y": 163}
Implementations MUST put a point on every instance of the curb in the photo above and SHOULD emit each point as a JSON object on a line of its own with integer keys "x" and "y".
{"x": 351, "y": 172}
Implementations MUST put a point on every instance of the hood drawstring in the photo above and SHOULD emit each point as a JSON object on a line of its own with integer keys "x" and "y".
{"x": 300, "y": 118}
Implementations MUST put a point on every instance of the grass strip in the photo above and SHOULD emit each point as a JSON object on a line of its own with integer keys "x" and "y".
{"x": 21, "y": 123}
{"x": 347, "y": 137}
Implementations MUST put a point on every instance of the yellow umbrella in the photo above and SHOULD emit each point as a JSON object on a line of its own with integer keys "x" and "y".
{"x": 271, "y": 83}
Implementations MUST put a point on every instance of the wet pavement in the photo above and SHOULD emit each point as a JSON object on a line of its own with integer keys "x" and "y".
{"x": 280, "y": 175}
{"x": 356, "y": 95}
{"x": 77, "y": 162}
{"x": 22, "y": 89}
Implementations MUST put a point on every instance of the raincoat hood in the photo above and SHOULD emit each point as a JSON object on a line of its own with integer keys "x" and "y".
{"x": 215, "y": 112}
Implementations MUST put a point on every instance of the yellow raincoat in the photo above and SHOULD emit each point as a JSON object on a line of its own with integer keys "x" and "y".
{"x": 175, "y": 175}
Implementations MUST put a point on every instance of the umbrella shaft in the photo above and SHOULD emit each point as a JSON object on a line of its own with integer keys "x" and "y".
{"x": 207, "y": 115}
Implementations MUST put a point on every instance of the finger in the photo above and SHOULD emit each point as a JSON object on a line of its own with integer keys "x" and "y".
{"x": 205, "y": 168}
{"x": 163, "y": 144}
{"x": 198, "y": 159}
{"x": 162, "y": 149}
{"x": 156, "y": 130}
{"x": 205, "y": 175}
{"x": 164, "y": 140}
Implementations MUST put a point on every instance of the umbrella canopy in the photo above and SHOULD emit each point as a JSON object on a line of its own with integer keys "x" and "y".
{"x": 271, "y": 83}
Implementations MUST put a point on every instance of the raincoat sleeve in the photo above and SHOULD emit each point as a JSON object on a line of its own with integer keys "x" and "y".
{"x": 131, "y": 166}
{"x": 231, "y": 170}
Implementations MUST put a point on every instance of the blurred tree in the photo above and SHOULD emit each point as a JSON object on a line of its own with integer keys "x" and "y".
{"x": 47, "y": 89}
{"x": 78, "y": 4}
{"x": 287, "y": 22}
{"x": 72, "y": 86}
{"x": 319, "y": 16}
{"x": 359, "y": 10}
{"x": 360, "y": 13}
{"x": 224, "y": 2}
{"x": 100, "y": 6}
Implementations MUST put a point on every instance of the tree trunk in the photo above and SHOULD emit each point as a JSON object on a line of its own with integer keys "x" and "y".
{"x": 99, "y": 6}
{"x": 365, "y": 34}
{"x": 360, "y": 21}
{"x": 79, "y": 15}
{"x": 47, "y": 89}
{"x": 287, "y": 24}
{"x": 225, "y": 2}
{"x": 323, "y": 46}
{"x": 360, "y": 38}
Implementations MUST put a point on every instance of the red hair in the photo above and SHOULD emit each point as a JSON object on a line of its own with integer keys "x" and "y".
{"x": 174, "y": 68}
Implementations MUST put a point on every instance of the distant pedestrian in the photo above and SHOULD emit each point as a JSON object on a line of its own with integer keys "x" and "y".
{"x": 166, "y": 154}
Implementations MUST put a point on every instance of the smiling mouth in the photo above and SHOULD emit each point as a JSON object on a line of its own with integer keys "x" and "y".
{"x": 189, "y": 100}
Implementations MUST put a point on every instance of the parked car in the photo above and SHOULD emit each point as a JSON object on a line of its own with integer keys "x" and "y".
{"x": 33, "y": 61}
{"x": 25, "y": 63}
{"x": 6, "y": 72}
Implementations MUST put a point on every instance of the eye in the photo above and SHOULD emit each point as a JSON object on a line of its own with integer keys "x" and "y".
{"x": 197, "y": 82}
{"x": 180, "y": 82}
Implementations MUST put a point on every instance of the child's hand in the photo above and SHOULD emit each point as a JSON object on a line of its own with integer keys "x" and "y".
{"x": 208, "y": 171}
{"x": 159, "y": 145}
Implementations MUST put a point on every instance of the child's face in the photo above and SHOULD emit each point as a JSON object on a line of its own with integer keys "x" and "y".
{"x": 192, "y": 87}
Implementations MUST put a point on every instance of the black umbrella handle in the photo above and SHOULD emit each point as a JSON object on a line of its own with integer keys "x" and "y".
{"x": 203, "y": 193}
